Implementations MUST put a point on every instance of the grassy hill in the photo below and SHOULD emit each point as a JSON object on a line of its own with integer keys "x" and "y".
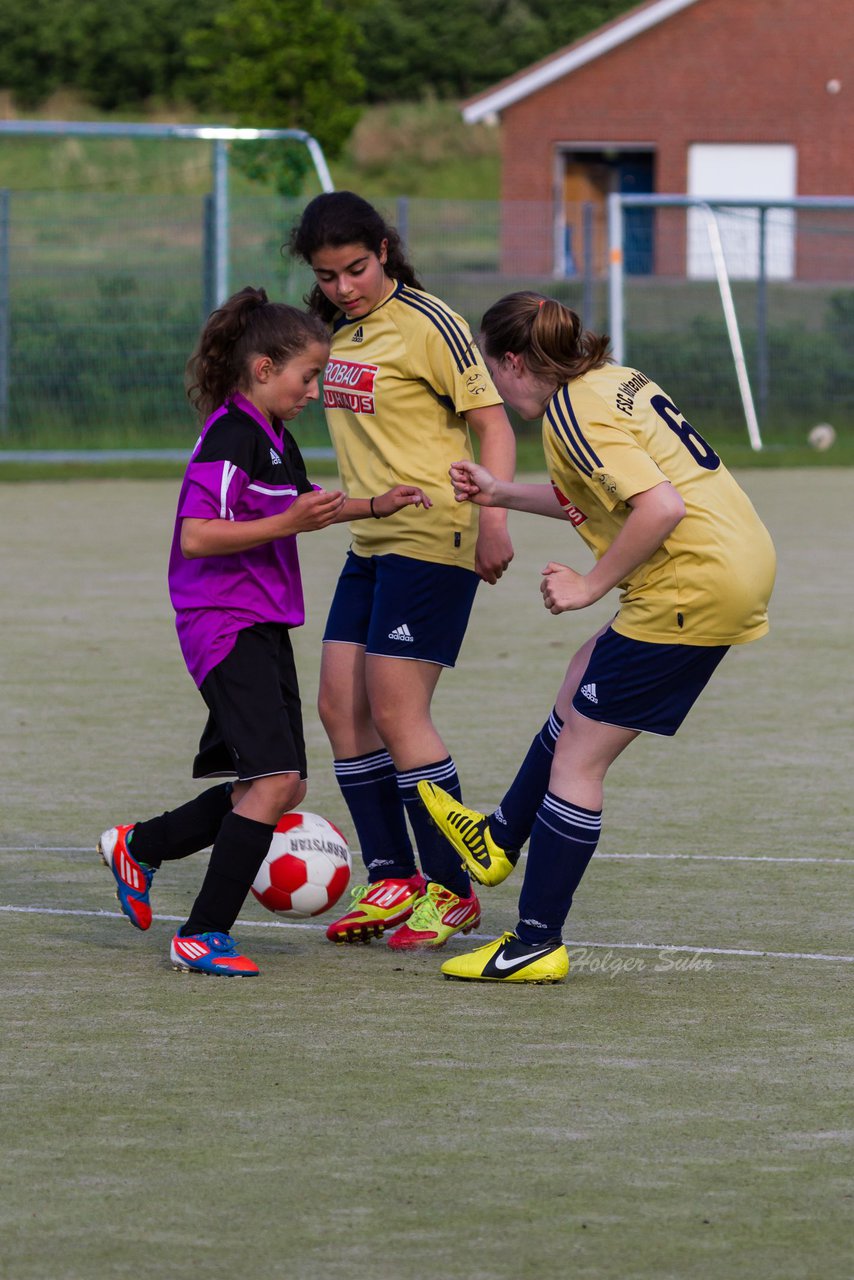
{"x": 414, "y": 149}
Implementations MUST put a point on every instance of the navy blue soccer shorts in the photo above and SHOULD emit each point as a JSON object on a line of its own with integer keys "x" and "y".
{"x": 254, "y": 725}
{"x": 400, "y": 607}
{"x": 648, "y": 687}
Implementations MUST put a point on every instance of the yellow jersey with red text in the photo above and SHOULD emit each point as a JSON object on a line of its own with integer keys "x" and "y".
{"x": 396, "y": 385}
{"x": 611, "y": 434}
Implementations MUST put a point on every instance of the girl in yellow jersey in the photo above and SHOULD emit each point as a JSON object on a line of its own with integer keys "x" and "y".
{"x": 671, "y": 528}
{"x": 403, "y": 386}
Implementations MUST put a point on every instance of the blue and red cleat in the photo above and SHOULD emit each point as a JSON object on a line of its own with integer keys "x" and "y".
{"x": 133, "y": 879}
{"x": 214, "y": 953}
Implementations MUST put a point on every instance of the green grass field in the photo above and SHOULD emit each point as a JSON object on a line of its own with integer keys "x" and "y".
{"x": 666, "y": 1114}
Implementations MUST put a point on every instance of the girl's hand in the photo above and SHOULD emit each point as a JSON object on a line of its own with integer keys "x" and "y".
{"x": 493, "y": 552}
{"x": 314, "y": 510}
{"x": 402, "y": 495}
{"x": 472, "y": 483}
{"x": 564, "y": 589}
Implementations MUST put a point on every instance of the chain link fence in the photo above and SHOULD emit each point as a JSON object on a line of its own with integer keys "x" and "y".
{"x": 102, "y": 297}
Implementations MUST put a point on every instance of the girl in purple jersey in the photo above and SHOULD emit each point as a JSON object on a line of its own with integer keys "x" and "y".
{"x": 235, "y": 584}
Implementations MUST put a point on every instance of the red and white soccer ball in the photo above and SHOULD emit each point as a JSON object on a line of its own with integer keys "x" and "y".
{"x": 306, "y": 869}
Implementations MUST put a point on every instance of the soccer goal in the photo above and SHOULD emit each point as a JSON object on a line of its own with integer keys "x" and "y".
{"x": 801, "y": 247}
{"x": 218, "y": 135}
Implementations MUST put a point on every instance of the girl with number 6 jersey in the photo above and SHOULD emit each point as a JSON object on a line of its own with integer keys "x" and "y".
{"x": 673, "y": 530}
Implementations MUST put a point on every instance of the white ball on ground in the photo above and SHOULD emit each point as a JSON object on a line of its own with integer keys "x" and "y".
{"x": 306, "y": 869}
{"x": 822, "y": 436}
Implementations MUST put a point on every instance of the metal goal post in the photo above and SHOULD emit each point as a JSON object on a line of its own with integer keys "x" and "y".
{"x": 218, "y": 135}
{"x": 710, "y": 212}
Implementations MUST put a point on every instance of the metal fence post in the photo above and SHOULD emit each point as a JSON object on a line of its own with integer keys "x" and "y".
{"x": 616, "y": 318}
{"x": 402, "y": 219}
{"x": 220, "y": 221}
{"x": 762, "y": 379}
{"x": 587, "y": 317}
{"x": 208, "y": 285}
{"x": 5, "y": 313}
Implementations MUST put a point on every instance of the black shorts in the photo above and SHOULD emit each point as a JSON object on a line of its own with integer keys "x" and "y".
{"x": 254, "y": 728}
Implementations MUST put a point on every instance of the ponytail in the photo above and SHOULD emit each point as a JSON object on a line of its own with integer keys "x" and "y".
{"x": 336, "y": 218}
{"x": 548, "y": 335}
{"x": 246, "y": 325}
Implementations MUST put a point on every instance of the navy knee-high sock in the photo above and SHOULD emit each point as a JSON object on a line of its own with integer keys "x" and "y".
{"x": 511, "y": 823}
{"x": 439, "y": 860}
{"x": 182, "y": 831}
{"x": 369, "y": 786}
{"x": 237, "y": 854}
{"x": 563, "y": 841}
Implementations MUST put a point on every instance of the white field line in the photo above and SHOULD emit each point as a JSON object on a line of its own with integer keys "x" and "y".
{"x": 600, "y": 857}
{"x": 573, "y": 943}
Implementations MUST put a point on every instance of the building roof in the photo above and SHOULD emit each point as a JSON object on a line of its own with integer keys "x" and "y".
{"x": 570, "y": 58}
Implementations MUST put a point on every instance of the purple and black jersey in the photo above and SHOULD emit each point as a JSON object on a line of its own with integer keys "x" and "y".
{"x": 242, "y": 468}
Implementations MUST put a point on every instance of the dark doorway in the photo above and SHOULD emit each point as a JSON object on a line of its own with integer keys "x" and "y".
{"x": 589, "y": 177}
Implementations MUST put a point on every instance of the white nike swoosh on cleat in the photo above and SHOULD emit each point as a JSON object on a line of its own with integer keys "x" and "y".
{"x": 501, "y": 963}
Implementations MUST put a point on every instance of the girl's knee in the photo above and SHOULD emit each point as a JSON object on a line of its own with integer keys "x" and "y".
{"x": 342, "y": 714}
{"x": 328, "y": 709}
{"x": 290, "y": 792}
{"x": 385, "y": 717}
{"x": 278, "y": 794}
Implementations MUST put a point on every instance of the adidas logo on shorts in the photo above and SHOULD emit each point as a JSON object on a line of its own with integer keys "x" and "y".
{"x": 401, "y": 633}
{"x": 588, "y": 691}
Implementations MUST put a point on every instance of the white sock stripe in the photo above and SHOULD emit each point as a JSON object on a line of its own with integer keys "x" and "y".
{"x": 442, "y": 772}
{"x": 568, "y": 813}
{"x": 554, "y": 726}
{"x": 577, "y": 836}
{"x": 349, "y": 784}
{"x": 364, "y": 764}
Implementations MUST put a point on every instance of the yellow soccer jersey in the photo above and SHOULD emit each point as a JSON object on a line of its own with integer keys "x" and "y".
{"x": 611, "y": 434}
{"x": 395, "y": 386}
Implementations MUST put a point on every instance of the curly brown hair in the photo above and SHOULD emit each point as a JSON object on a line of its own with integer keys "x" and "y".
{"x": 336, "y": 218}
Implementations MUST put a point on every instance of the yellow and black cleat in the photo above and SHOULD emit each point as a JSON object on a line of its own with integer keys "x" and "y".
{"x": 468, "y": 831}
{"x": 509, "y": 959}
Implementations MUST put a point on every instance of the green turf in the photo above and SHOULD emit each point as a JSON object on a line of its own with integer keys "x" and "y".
{"x": 663, "y": 1114}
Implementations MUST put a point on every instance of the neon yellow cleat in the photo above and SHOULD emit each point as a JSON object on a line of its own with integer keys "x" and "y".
{"x": 468, "y": 831}
{"x": 508, "y": 959}
{"x": 435, "y": 918}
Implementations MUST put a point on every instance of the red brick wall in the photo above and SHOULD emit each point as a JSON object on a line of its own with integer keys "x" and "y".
{"x": 723, "y": 71}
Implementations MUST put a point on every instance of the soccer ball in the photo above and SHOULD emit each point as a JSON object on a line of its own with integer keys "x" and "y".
{"x": 306, "y": 869}
{"x": 822, "y": 436}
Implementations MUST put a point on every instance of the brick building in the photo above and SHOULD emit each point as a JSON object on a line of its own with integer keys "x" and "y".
{"x": 711, "y": 98}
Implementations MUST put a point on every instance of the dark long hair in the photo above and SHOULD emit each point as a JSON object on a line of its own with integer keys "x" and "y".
{"x": 336, "y": 218}
{"x": 246, "y": 325}
{"x": 548, "y": 335}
